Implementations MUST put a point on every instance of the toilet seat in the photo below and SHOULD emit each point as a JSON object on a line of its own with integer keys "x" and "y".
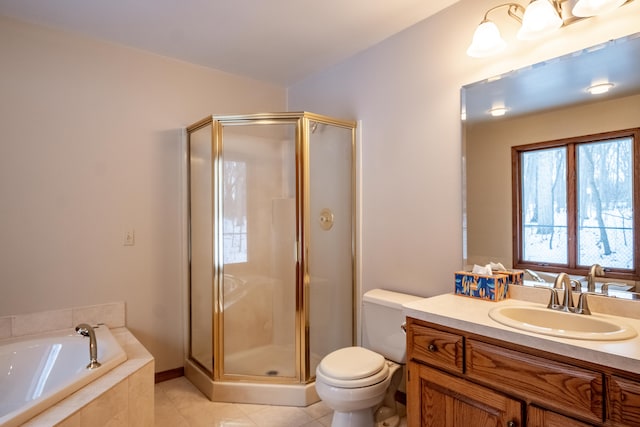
{"x": 352, "y": 367}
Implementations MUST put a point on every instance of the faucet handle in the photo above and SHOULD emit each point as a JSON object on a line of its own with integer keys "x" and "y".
{"x": 553, "y": 299}
{"x": 583, "y": 306}
{"x": 576, "y": 285}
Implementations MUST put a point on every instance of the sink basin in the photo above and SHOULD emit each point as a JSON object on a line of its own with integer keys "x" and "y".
{"x": 561, "y": 324}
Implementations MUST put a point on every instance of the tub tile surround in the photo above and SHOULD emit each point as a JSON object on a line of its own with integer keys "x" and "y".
{"x": 111, "y": 314}
{"x": 123, "y": 396}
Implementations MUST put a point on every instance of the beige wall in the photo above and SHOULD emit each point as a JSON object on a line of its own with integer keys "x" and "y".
{"x": 91, "y": 146}
{"x": 406, "y": 91}
{"x": 489, "y": 165}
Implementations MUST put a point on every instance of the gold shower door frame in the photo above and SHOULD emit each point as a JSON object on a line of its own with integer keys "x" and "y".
{"x": 303, "y": 122}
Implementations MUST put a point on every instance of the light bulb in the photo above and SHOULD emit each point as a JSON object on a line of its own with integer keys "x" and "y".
{"x": 586, "y": 8}
{"x": 540, "y": 18}
{"x": 486, "y": 41}
{"x": 599, "y": 88}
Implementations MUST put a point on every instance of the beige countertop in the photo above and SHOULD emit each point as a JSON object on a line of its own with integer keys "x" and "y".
{"x": 470, "y": 314}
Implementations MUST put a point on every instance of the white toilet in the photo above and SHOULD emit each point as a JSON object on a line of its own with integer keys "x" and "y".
{"x": 354, "y": 381}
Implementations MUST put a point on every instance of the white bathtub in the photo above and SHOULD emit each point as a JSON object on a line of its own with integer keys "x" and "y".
{"x": 36, "y": 372}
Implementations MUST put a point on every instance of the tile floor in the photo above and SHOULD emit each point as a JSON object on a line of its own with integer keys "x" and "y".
{"x": 179, "y": 404}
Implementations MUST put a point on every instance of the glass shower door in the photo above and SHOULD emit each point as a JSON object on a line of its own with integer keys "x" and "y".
{"x": 330, "y": 240}
{"x": 257, "y": 300}
{"x": 201, "y": 251}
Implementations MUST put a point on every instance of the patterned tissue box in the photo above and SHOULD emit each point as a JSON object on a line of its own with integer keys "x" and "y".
{"x": 493, "y": 287}
{"x": 514, "y": 277}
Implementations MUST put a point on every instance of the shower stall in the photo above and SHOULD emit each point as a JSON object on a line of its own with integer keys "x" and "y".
{"x": 271, "y": 253}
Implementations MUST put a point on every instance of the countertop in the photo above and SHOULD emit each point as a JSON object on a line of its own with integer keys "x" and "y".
{"x": 471, "y": 315}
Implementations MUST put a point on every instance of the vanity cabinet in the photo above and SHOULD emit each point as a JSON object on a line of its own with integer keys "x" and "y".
{"x": 437, "y": 399}
{"x": 624, "y": 401}
{"x": 460, "y": 379}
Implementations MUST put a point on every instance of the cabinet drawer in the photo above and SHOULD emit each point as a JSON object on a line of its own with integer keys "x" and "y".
{"x": 437, "y": 348}
{"x": 624, "y": 401}
{"x": 555, "y": 385}
{"x": 538, "y": 417}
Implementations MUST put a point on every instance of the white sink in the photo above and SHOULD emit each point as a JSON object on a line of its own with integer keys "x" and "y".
{"x": 562, "y": 324}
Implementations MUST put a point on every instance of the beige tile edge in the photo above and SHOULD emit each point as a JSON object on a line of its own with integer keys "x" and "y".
{"x": 111, "y": 314}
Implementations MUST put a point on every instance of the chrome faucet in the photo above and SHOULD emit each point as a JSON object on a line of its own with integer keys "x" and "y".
{"x": 595, "y": 270}
{"x": 564, "y": 282}
{"x": 534, "y": 276}
{"x": 87, "y": 331}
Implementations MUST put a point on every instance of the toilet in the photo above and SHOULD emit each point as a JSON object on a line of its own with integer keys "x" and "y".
{"x": 359, "y": 383}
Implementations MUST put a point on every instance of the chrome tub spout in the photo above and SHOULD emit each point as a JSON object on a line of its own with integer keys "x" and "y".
{"x": 87, "y": 331}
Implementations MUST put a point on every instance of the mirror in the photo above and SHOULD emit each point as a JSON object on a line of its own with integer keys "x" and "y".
{"x": 544, "y": 102}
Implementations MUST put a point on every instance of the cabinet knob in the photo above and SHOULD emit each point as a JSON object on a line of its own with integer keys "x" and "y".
{"x": 432, "y": 347}
{"x": 511, "y": 424}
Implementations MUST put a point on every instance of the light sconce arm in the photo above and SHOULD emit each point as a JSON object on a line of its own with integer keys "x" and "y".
{"x": 515, "y": 10}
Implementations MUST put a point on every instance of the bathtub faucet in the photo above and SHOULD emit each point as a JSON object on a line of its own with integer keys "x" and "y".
{"x": 87, "y": 331}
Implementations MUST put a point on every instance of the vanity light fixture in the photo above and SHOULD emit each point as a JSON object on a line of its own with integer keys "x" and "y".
{"x": 599, "y": 88}
{"x": 538, "y": 19}
{"x": 586, "y": 8}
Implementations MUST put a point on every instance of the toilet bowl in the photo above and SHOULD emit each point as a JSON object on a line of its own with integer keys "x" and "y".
{"x": 354, "y": 381}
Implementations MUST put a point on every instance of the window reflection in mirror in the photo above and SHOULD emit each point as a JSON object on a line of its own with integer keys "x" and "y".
{"x": 574, "y": 202}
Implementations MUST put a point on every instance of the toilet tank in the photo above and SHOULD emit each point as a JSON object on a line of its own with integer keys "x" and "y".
{"x": 382, "y": 318}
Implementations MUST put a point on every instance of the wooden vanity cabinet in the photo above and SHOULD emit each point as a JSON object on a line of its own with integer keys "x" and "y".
{"x": 539, "y": 417}
{"x": 457, "y": 379}
{"x": 437, "y": 399}
{"x": 624, "y": 401}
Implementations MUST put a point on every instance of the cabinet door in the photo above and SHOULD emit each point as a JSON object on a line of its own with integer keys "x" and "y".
{"x": 437, "y": 399}
{"x": 538, "y": 417}
{"x": 624, "y": 401}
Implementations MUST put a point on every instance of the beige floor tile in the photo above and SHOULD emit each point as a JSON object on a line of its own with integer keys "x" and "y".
{"x": 279, "y": 416}
{"x": 166, "y": 414}
{"x": 178, "y": 403}
{"x": 214, "y": 414}
{"x": 317, "y": 410}
{"x": 249, "y": 409}
{"x": 326, "y": 420}
{"x": 182, "y": 393}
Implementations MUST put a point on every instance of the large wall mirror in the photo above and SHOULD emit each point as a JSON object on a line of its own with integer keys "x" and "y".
{"x": 543, "y": 102}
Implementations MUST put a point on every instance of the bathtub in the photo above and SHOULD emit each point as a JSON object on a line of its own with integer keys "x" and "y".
{"x": 38, "y": 371}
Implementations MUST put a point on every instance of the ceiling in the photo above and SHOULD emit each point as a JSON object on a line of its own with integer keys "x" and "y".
{"x": 277, "y": 41}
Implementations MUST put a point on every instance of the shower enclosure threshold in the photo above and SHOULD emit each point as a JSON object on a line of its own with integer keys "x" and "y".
{"x": 254, "y": 393}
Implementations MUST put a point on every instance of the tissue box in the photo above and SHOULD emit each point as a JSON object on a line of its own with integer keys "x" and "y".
{"x": 488, "y": 287}
{"x": 514, "y": 277}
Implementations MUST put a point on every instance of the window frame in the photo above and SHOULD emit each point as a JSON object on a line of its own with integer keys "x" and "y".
{"x": 571, "y": 143}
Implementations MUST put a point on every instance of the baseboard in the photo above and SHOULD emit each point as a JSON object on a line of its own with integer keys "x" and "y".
{"x": 169, "y": 375}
